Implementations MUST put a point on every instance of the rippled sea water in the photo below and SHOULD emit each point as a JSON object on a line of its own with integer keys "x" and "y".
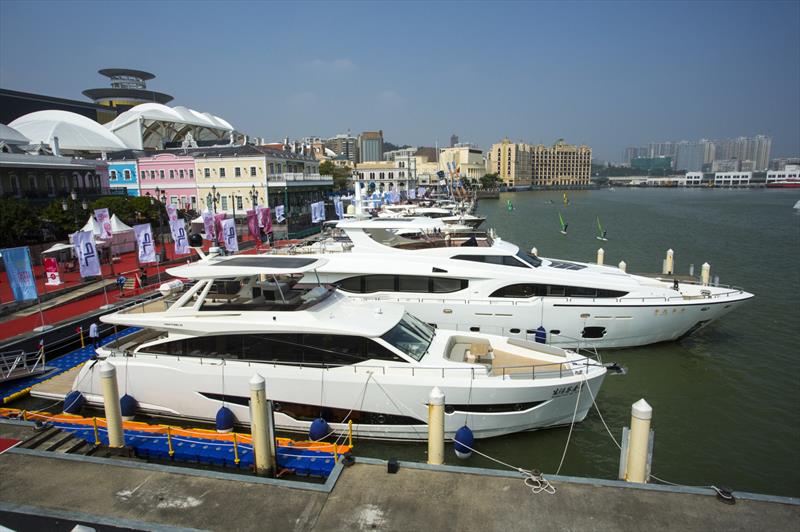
{"x": 726, "y": 401}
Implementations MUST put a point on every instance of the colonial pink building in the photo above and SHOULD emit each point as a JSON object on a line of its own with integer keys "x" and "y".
{"x": 173, "y": 175}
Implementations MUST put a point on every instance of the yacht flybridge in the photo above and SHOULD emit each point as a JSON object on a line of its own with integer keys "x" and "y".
{"x": 479, "y": 283}
{"x": 325, "y": 355}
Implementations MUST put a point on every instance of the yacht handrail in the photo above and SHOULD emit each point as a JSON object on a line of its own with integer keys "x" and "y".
{"x": 485, "y": 370}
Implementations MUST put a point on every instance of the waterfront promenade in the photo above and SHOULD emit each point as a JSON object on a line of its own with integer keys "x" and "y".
{"x": 133, "y": 494}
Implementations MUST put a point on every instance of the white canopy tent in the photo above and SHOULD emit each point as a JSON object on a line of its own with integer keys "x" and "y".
{"x": 74, "y": 132}
{"x": 123, "y": 237}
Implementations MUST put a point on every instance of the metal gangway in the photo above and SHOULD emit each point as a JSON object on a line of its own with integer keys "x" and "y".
{"x": 19, "y": 364}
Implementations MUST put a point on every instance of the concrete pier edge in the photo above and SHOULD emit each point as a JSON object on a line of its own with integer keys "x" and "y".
{"x": 329, "y": 484}
{"x": 94, "y": 519}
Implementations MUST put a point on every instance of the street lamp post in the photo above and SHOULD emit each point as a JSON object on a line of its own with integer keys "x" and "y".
{"x": 212, "y": 199}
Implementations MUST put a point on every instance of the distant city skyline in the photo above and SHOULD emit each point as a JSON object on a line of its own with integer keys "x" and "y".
{"x": 608, "y": 75}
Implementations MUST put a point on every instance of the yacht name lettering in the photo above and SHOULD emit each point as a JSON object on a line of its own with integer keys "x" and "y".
{"x": 174, "y": 324}
{"x": 567, "y": 390}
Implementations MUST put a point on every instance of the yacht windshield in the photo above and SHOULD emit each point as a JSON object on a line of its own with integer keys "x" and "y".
{"x": 529, "y": 259}
{"x": 411, "y": 336}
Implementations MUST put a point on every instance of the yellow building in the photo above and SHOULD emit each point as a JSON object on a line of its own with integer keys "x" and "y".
{"x": 561, "y": 164}
{"x": 511, "y": 162}
{"x": 233, "y": 172}
{"x": 466, "y": 159}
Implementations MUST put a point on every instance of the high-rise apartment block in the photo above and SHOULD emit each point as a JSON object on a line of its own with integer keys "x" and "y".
{"x": 521, "y": 165}
{"x": 561, "y": 164}
{"x": 687, "y": 155}
{"x": 370, "y": 146}
{"x": 344, "y": 145}
{"x": 453, "y": 140}
{"x": 511, "y": 161}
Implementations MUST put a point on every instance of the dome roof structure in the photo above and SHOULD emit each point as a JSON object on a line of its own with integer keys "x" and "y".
{"x": 9, "y": 135}
{"x": 75, "y": 132}
{"x": 160, "y": 124}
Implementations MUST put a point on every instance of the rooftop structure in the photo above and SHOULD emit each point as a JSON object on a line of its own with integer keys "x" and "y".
{"x": 128, "y": 89}
{"x": 62, "y": 130}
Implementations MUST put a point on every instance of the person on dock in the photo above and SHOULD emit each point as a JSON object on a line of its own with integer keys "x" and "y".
{"x": 121, "y": 284}
{"x": 94, "y": 334}
{"x": 142, "y": 277}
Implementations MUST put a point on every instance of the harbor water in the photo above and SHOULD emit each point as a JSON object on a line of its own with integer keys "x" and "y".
{"x": 726, "y": 400}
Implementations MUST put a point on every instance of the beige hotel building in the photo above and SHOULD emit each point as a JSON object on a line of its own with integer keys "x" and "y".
{"x": 522, "y": 165}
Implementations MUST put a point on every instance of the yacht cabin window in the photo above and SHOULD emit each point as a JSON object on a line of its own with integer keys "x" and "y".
{"x": 500, "y": 260}
{"x": 368, "y": 284}
{"x": 525, "y": 290}
{"x": 411, "y": 336}
{"x": 280, "y": 348}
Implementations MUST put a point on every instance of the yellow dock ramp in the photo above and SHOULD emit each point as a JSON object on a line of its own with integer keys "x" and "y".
{"x": 58, "y": 387}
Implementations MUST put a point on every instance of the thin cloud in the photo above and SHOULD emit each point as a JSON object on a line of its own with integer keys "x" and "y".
{"x": 330, "y": 65}
{"x": 390, "y": 97}
{"x": 302, "y": 99}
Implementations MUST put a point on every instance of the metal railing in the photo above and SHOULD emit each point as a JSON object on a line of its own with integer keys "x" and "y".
{"x": 16, "y": 364}
{"x": 486, "y": 371}
{"x": 298, "y": 176}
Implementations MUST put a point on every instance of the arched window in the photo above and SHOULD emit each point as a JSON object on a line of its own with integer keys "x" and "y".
{"x": 15, "y": 186}
{"x": 127, "y": 174}
{"x": 51, "y": 186}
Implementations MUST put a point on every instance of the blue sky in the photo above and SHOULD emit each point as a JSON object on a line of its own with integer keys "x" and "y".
{"x": 608, "y": 74}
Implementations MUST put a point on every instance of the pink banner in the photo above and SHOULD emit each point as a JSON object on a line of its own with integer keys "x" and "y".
{"x": 265, "y": 220}
{"x": 218, "y": 224}
{"x": 208, "y": 225}
{"x": 252, "y": 224}
{"x": 172, "y": 212}
{"x": 51, "y": 271}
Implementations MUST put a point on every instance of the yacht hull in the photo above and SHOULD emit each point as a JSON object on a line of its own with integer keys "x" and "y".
{"x": 571, "y": 323}
{"x": 389, "y": 403}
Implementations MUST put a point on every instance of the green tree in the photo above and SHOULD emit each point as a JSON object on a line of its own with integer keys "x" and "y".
{"x": 18, "y": 223}
{"x": 341, "y": 175}
{"x": 490, "y": 181}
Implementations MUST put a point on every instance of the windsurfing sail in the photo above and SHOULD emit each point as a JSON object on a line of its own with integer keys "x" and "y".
{"x": 563, "y": 225}
{"x": 601, "y": 233}
{"x": 509, "y": 205}
{"x": 566, "y": 199}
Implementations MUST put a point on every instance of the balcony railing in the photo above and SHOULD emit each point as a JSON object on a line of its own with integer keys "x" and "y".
{"x": 298, "y": 176}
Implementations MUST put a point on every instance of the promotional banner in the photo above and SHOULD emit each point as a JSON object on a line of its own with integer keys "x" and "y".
{"x": 20, "y": 273}
{"x": 179, "y": 236}
{"x": 229, "y": 235}
{"x": 172, "y": 212}
{"x": 252, "y": 223}
{"x": 317, "y": 212}
{"x": 412, "y": 193}
{"x": 421, "y": 192}
{"x": 338, "y": 207}
{"x": 104, "y": 219}
{"x": 266, "y": 218}
{"x": 51, "y": 271}
{"x": 218, "y": 226}
{"x": 279, "y": 217}
{"x": 86, "y": 251}
{"x": 147, "y": 248}
{"x": 208, "y": 225}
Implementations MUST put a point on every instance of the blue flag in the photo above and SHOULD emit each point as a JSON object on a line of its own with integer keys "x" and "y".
{"x": 20, "y": 273}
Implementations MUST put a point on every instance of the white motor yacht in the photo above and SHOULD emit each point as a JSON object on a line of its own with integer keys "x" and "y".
{"x": 325, "y": 355}
{"x": 479, "y": 283}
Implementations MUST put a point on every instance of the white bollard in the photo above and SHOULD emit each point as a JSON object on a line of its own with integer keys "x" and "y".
{"x": 263, "y": 444}
{"x": 705, "y": 273}
{"x": 600, "y": 256}
{"x": 669, "y": 264}
{"x": 108, "y": 378}
{"x": 623, "y": 266}
{"x": 436, "y": 427}
{"x": 534, "y": 252}
{"x": 638, "y": 442}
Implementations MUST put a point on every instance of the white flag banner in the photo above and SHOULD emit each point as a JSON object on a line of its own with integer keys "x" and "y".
{"x": 86, "y": 252}
{"x": 412, "y": 193}
{"x": 104, "y": 219}
{"x": 279, "y": 217}
{"x": 172, "y": 212}
{"x": 208, "y": 225}
{"x": 229, "y": 234}
{"x": 178, "y": 230}
{"x": 147, "y": 247}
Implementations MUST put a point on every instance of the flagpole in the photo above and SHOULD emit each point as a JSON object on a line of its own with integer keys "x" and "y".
{"x": 44, "y": 326}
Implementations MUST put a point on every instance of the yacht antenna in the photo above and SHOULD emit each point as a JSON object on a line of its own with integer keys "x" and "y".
{"x": 319, "y": 283}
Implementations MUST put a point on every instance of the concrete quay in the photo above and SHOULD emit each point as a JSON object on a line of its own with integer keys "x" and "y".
{"x": 132, "y": 494}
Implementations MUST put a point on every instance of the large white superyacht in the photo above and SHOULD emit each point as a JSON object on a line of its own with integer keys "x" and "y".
{"x": 480, "y": 283}
{"x": 324, "y": 355}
